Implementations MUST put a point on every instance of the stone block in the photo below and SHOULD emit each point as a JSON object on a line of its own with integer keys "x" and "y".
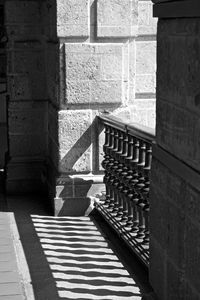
{"x": 143, "y": 112}
{"x": 26, "y": 12}
{"x": 178, "y": 132}
{"x": 27, "y": 118}
{"x": 28, "y": 145}
{"x": 117, "y": 18}
{"x": 26, "y": 87}
{"x": 28, "y": 57}
{"x": 73, "y": 18}
{"x": 145, "y": 84}
{"x": 93, "y": 73}
{"x": 26, "y": 71}
{"x": 146, "y": 57}
{"x": 147, "y": 25}
{"x": 173, "y": 54}
{"x": 75, "y": 140}
{"x": 23, "y": 32}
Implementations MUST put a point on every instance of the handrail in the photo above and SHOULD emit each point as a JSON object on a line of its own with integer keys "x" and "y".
{"x": 135, "y": 129}
{"x": 113, "y": 121}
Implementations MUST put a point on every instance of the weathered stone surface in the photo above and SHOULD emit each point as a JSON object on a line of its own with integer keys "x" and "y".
{"x": 182, "y": 55}
{"x": 175, "y": 234}
{"x": 146, "y": 22}
{"x": 178, "y": 131}
{"x": 28, "y": 145}
{"x": 73, "y": 18}
{"x": 3, "y": 148}
{"x": 146, "y": 57}
{"x": 93, "y": 73}
{"x": 26, "y": 118}
{"x": 25, "y": 23}
{"x": 157, "y": 269}
{"x": 26, "y": 73}
{"x": 117, "y": 18}
{"x": 145, "y": 67}
{"x": 26, "y": 12}
{"x": 52, "y": 71}
{"x": 3, "y": 113}
{"x": 75, "y": 140}
{"x": 192, "y": 259}
{"x": 145, "y": 84}
{"x": 143, "y": 112}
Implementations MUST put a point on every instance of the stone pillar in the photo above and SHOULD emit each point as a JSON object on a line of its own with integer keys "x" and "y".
{"x": 27, "y": 96}
{"x": 97, "y": 42}
{"x": 175, "y": 179}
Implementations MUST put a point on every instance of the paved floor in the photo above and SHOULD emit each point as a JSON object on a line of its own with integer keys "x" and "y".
{"x": 48, "y": 258}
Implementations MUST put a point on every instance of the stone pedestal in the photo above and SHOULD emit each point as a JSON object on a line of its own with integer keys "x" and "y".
{"x": 175, "y": 179}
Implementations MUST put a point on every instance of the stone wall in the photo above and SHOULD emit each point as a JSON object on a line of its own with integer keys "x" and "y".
{"x": 67, "y": 61}
{"x": 143, "y": 101}
{"x": 107, "y": 62}
{"x": 175, "y": 178}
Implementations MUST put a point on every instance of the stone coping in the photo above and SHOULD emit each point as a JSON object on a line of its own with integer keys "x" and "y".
{"x": 176, "y": 9}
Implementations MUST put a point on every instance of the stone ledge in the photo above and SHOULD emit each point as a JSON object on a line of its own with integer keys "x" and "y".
{"x": 177, "y": 9}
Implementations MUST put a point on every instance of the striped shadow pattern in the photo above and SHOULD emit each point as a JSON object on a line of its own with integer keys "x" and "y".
{"x": 81, "y": 260}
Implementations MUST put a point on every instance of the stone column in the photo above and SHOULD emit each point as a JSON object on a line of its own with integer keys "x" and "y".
{"x": 27, "y": 95}
{"x": 175, "y": 179}
{"x": 97, "y": 42}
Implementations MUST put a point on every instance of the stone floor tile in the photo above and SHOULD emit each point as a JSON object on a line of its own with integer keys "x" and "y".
{"x": 8, "y": 266}
{"x": 7, "y": 277}
{"x": 6, "y": 248}
{"x": 5, "y": 257}
{"x": 7, "y": 289}
{"x": 13, "y": 297}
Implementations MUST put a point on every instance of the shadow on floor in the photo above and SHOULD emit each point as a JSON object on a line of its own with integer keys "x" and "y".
{"x": 75, "y": 257}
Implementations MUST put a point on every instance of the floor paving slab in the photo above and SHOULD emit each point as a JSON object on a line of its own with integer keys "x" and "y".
{"x": 68, "y": 258}
{"x": 13, "y": 297}
{"x": 10, "y": 276}
{"x": 11, "y": 288}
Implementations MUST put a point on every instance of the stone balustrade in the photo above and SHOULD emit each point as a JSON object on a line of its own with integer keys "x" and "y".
{"x": 127, "y": 165}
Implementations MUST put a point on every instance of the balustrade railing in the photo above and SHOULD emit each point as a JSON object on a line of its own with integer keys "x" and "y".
{"x": 127, "y": 165}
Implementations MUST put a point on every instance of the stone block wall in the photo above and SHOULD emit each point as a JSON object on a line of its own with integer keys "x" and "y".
{"x": 143, "y": 104}
{"x": 67, "y": 61}
{"x": 107, "y": 62}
